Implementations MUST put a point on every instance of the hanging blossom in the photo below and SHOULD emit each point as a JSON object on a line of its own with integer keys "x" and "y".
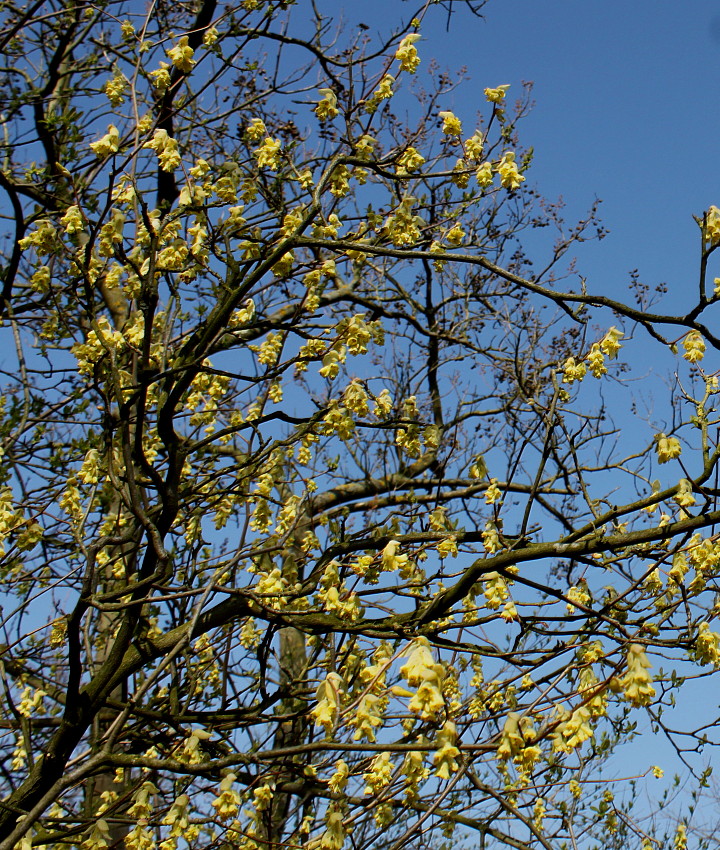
{"x": 108, "y": 144}
{"x": 407, "y": 54}
{"x": 637, "y": 682}
{"x": 510, "y": 177}
{"x": 496, "y": 95}
{"x": 451, "y": 126}
{"x": 668, "y": 448}
{"x": 694, "y": 346}
{"x": 182, "y": 55}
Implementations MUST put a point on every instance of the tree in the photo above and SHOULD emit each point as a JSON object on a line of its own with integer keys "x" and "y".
{"x": 323, "y": 521}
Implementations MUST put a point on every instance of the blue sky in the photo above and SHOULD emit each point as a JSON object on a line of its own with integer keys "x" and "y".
{"x": 627, "y": 110}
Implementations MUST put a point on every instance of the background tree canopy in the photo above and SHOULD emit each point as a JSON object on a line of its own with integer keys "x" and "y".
{"x": 322, "y": 526}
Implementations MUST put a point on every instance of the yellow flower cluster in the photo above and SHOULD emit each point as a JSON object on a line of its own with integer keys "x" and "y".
{"x": 329, "y": 696}
{"x": 182, "y": 55}
{"x": 496, "y": 95}
{"x": 108, "y": 144}
{"x": 694, "y": 346}
{"x": 268, "y": 154}
{"x": 451, "y": 125}
{"x": 446, "y": 547}
{"x": 491, "y": 538}
{"x": 510, "y": 177}
{"x": 573, "y": 370}
{"x": 338, "y": 421}
{"x": 384, "y": 91}
{"x": 409, "y": 160}
{"x": 407, "y": 54}
{"x": 637, "y": 683}
{"x": 424, "y": 673}
{"x": 668, "y": 448}
{"x": 577, "y": 594}
{"x": 178, "y": 816}
{"x": 684, "y": 496}
{"x": 161, "y": 77}
{"x": 101, "y": 340}
{"x": 334, "y": 595}
{"x": 227, "y": 802}
{"x": 455, "y": 236}
{"x": 403, "y": 226}
{"x": 445, "y": 758}
{"x": 573, "y": 730}
{"x": 327, "y": 108}
{"x": 707, "y": 645}
{"x": 380, "y": 774}
{"x": 473, "y": 147}
{"x": 392, "y": 562}
{"x": 516, "y": 741}
{"x": 712, "y": 225}
{"x": 43, "y": 238}
{"x": 495, "y": 590}
{"x": 166, "y": 149}
{"x": 115, "y": 88}
{"x": 493, "y": 492}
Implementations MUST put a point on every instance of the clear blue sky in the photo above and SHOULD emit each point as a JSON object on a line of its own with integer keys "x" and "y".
{"x": 627, "y": 109}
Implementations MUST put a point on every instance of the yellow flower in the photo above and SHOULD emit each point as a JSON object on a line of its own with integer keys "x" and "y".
{"x": 510, "y": 177}
{"x": 445, "y": 758}
{"x": 365, "y": 146}
{"x": 227, "y": 802}
{"x": 446, "y": 547}
{"x": 356, "y": 399}
{"x": 484, "y": 175}
{"x": 108, "y": 144}
{"x": 334, "y": 836}
{"x": 610, "y": 344}
{"x": 712, "y": 225}
{"x": 390, "y": 559}
{"x": 455, "y": 236}
{"x": 409, "y": 160}
{"x": 495, "y": 590}
{"x": 166, "y": 148}
{"x": 268, "y": 154}
{"x": 496, "y": 95}
{"x": 707, "y": 645}
{"x": 511, "y": 739}
{"x": 451, "y": 124}
{"x": 493, "y": 492}
{"x": 474, "y": 146}
{"x": 115, "y": 89}
{"x": 256, "y": 130}
{"x": 491, "y": 537}
{"x": 72, "y": 220}
{"x": 328, "y": 695}
{"x": 182, "y": 55}
{"x": 684, "y": 496}
{"x": 668, "y": 448}
{"x": 161, "y": 77}
{"x": 339, "y": 779}
{"x": 573, "y": 371}
{"x": 637, "y": 683}
{"x": 210, "y": 36}
{"x": 406, "y": 53}
{"x": 694, "y": 346}
{"x": 380, "y": 774}
{"x": 327, "y": 107}
{"x": 384, "y": 91}
{"x": 596, "y": 361}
